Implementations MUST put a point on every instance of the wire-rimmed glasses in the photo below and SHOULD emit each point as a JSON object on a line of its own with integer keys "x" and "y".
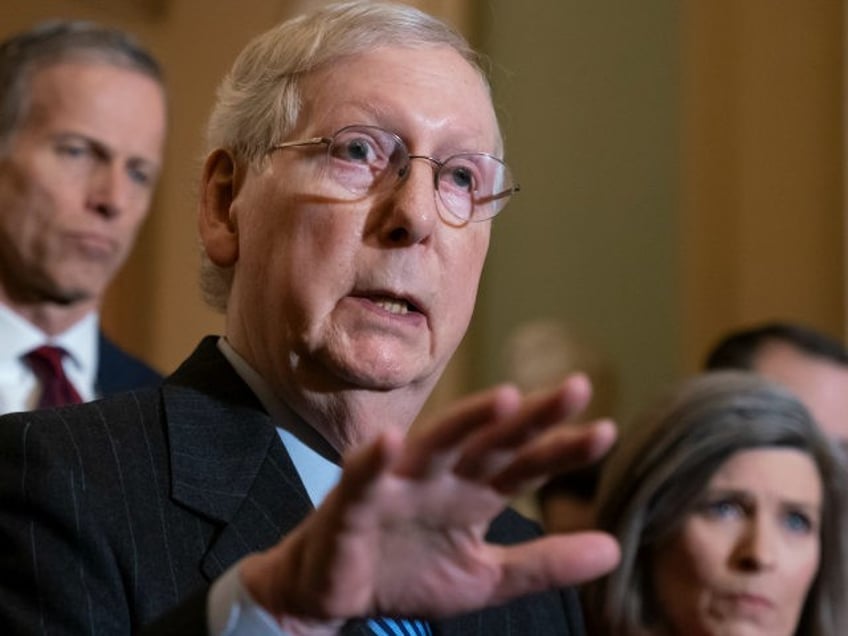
{"x": 472, "y": 186}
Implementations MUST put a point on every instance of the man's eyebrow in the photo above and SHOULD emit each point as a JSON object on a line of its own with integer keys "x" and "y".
{"x": 98, "y": 146}
{"x": 105, "y": 151}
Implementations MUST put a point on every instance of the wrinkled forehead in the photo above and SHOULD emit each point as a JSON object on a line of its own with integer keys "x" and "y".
{"x": 403, "y": 89}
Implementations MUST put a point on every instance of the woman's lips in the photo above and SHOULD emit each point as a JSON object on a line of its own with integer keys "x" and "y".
{"x": 748, "y": 603}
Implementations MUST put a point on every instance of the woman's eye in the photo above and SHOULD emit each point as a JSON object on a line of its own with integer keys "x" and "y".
{"x": 723, "y": 509}
{"x": 798, "y": 522}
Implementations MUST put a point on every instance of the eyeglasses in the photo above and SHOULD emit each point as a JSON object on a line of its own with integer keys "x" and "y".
{"x": 472, "y": 186}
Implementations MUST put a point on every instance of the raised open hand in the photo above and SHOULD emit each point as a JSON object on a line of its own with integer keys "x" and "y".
{"x": 404, "y": 531}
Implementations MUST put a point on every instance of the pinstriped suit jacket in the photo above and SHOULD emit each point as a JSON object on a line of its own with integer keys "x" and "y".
{"x": 119, "y": 513}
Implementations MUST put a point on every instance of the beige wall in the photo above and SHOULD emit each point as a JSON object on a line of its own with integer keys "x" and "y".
{"x": 588, "y": 93}
{"x": 684, "y": 165}
{"x": 763, "y": 230}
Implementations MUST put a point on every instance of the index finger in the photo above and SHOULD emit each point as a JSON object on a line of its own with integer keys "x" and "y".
{"x": 498, "y": 443}
{"x": 426, "y": 448}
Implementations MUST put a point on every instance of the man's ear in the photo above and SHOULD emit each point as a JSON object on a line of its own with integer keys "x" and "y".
{"x": 217, "y": 226}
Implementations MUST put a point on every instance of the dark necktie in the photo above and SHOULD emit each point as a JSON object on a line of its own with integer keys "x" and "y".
{"x": 56, "y": 389}
{"x": 399, "y": 627}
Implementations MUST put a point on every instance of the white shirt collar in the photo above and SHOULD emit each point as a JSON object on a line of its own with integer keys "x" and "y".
{"x": 18, "y": 337}
{"x": 81, "y": 342}
{"x": 312, "y": 456}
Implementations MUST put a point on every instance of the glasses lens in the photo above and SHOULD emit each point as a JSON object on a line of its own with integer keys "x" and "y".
{"x": 474, "y": 186}
{"x": 471, "y": 186}
{"x": 360, "y": 156}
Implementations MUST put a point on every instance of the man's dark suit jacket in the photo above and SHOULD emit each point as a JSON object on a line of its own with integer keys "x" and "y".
{"x": 119, "y": 371}
{"x": 118, "y": 511}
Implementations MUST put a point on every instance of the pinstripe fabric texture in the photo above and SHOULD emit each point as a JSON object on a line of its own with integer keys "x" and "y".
{"x": 121, "y": 511}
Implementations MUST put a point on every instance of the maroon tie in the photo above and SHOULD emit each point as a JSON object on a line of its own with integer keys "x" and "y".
{"x": 56, "y": 389}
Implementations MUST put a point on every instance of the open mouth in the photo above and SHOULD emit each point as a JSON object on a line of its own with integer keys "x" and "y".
{"x": 394, "y": 305}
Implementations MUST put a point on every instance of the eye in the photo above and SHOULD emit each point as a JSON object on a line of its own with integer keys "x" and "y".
{"x": 463, "y": 178}
{"x": 462, "y": 173}
{"x": 359, "y": 146}
{"x": 73, "y": 149}
{"x": 723, "y": 509}
{"x": 140, "y": 175}
{"x": 358, "y": 150}
{"x": 797, "y": 522}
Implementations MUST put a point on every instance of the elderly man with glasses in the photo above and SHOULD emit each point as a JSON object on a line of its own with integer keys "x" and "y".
{"x": 270, "y": 485}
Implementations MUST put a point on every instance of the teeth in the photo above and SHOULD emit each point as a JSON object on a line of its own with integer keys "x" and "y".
{"x": 392, "y": 306}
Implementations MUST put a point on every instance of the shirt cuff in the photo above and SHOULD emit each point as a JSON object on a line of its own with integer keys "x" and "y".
{"x": 231, "y": 611}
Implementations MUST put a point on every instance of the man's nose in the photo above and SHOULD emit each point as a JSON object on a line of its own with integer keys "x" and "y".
{"x": 412, "y": 213}
{"x": 109, "y": 189}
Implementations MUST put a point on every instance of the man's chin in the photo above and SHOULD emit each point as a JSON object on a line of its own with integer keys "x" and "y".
{"x": 381, "y": 380}
{"x": 382, "y": 374}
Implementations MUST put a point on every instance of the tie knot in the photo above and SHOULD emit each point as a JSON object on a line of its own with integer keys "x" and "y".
{"x": 46, "y": 358}
{"x": 56, "y": 389}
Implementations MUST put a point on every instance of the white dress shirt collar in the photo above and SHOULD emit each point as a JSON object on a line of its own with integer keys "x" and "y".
{"x": 315, "y": 460}
{"x": 18, "y": 337}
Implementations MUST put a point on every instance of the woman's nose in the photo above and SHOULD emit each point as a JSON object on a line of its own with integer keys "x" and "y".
{"x": 757, "y": 547}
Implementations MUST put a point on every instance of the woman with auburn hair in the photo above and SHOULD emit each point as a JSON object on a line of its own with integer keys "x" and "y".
{"x": 729, "y": 505}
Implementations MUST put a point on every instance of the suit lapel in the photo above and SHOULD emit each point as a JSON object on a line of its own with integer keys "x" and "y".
{"x": 269, "y": 510}
{"x": 228, "y": 463}
{"x": 229, "y": 466}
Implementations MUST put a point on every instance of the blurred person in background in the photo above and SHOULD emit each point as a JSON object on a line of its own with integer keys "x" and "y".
{"x": 82, "y": 128}
{"x": 810, "y": 363}
{"x": 730, "y": 507}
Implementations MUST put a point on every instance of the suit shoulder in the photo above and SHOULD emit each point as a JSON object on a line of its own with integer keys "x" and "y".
{"x": 60, "y": 430}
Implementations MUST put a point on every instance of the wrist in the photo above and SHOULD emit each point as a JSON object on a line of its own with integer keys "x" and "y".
{"x": 265, "y": 580}
{"x": 299, "y": 627}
